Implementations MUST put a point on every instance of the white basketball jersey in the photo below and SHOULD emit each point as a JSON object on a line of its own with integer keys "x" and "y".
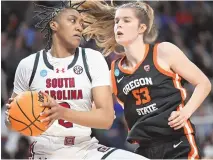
{"x": 68, "y": 80}
{"x": 69, "y": 85}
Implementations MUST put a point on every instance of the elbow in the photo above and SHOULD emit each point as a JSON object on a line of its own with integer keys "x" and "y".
{"x": 109, "y": 124}
{"x": 109, "y": 121}
{"x": 208, "y": 86}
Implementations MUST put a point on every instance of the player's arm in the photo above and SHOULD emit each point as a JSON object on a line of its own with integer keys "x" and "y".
{"x": 20, "y": 85}
{"x": 113, "y": 95}
{"x": 103, "y": 115}
{"x": 13, "y": 95}
{"x": 181, "y": 65}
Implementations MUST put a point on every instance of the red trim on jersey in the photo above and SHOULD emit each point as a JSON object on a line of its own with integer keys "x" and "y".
{"x": 188, "y": 130}
{"x": 136, "y": 67}
{"x": 31, "y": 150}
{"x": 114, "y": 86}
{"x": 159, "y": 68}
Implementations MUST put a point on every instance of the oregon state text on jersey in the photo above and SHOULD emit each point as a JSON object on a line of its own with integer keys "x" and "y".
{"x": 149, "y": 94}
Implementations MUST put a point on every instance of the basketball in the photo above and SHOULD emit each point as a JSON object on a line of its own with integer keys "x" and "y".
{"x": 24, "y": 113}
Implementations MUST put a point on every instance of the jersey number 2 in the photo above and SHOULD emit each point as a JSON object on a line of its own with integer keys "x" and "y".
{"x": 142, "y": 91}
{"x": 63, "y": 122}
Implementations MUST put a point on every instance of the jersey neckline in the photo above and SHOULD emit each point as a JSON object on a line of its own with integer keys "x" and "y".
{"x": 136, "y": 67}
{"x": 47, "y": 63}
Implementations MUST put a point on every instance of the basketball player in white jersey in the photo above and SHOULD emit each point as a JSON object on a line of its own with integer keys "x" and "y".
{"x": 73, "y": 77}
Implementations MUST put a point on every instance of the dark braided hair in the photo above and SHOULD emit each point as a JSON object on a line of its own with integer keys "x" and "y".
{"x": 46, "y": 14}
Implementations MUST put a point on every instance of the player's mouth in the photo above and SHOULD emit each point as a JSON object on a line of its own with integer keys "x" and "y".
{"x": 77, "y": 35}
{"x": 119, "y": 33}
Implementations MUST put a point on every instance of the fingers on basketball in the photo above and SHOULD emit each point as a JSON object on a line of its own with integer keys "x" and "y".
{"x": 24, "y": 114}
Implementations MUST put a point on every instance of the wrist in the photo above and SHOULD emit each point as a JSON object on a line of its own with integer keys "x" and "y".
{"x": 63, "y": 112}
{"x": 188, "y": 111}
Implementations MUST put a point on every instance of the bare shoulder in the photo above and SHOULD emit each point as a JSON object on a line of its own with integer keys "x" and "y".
{"x": 167, "y": 49}
{"x": 166, "y": 44}
{"x": 168, "y": 52}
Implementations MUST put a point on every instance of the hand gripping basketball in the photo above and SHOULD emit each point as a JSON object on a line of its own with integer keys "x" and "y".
{"x": 55, "y": 111}
{"x": 7, "y": 120}
{"x": 23, "y": 113}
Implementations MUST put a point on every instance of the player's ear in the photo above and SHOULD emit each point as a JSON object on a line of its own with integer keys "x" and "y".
{"x": 142, "y": 28}
{"x": 53, "y": 25}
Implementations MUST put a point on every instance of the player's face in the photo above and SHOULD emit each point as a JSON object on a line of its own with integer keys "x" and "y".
{"x": 70, "y": 27}
{"x": 126, "y": 27}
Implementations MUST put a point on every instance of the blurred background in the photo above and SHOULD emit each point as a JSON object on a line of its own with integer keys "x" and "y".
{"x": 189, "y": 25}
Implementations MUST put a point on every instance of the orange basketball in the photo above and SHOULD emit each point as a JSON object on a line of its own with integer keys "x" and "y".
{"x": 24, "y": 113}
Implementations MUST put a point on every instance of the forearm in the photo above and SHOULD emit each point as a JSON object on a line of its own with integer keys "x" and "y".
{"x": 200, "y": 93}
{"x": 97, "y": 118}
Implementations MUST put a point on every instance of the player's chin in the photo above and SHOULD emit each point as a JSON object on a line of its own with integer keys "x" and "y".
{"x": 122, "y": 42}
{"x": 75, "y": 42}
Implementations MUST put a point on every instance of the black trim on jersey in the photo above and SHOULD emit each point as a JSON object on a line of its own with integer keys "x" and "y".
{"x": 69, "y": 66}
{"x": 106, "y": 155}
{"x": 34, "y": 68}
{"x": 86, "y": 64}
{"x": 46, "y": 61}
{"x": 75, "y": 59}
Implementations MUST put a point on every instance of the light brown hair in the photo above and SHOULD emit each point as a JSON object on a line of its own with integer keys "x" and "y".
{"x": 100, "y": 20}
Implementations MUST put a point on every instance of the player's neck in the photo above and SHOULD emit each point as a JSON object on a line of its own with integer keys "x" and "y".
{"x": 60, "y": 51}
{"x": 135, "y": 53}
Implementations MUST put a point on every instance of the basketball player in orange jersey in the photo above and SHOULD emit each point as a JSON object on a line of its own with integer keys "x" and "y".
{"x": 147, "y": 82}
{"x": 73, "y": 77}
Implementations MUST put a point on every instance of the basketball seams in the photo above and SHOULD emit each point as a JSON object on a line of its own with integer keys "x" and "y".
{"x": 28, "y": 117}
{"x": 26, "y": 109}
{"x": 28, "y": 126}
{"x": 31, "y": 124}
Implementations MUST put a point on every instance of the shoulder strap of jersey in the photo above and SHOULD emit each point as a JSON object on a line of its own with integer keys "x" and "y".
{"x": 115, "y": 72}
{"x": 34, "y": 68}
{"x": 113, "y": 80}
{"x": 85, "y": 64}
{"x": 150, "y": 52}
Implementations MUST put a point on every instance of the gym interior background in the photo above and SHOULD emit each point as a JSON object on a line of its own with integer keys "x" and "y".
{"x": 189, "y": 25}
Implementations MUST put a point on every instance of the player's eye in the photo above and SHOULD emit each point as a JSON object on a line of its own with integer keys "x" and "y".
{"x": 82, "y": 24}
{"x": 126, "y": 21}
{"x": 116, "y": 21}
{"x": 72, "y": 20}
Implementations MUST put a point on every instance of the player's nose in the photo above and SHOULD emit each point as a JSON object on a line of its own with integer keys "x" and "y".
{"x": 79, "y": 28}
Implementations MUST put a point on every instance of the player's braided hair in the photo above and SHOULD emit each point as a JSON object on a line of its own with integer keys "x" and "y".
{"x": 46, "y": 14}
